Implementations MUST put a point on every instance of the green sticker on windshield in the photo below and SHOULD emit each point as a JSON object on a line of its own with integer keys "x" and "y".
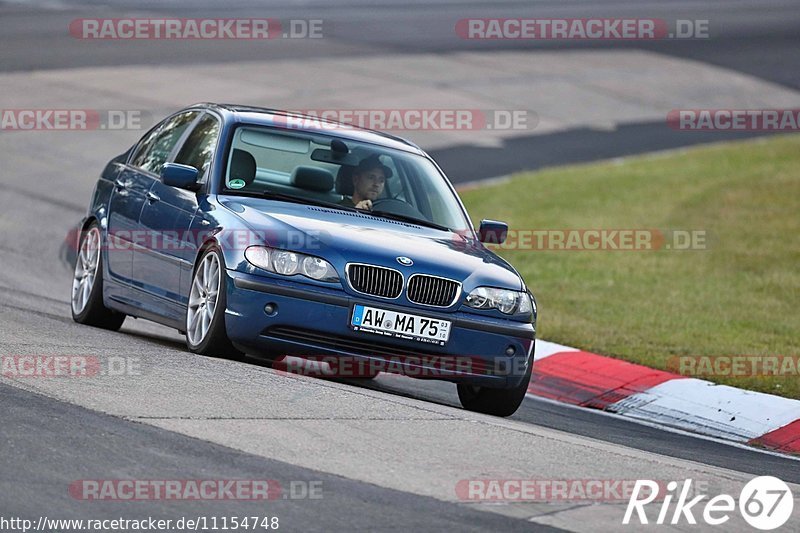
{"x": 236, "y": 184}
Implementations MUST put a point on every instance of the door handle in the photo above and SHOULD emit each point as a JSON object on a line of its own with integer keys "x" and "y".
{"x": 152, "y": 197}
{"x": 122, "y": 184}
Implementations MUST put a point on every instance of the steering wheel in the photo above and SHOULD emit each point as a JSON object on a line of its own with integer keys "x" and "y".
{"x": 397, "y": 207}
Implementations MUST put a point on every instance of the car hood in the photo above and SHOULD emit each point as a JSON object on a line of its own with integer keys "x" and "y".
{"x": 347, "y": 236}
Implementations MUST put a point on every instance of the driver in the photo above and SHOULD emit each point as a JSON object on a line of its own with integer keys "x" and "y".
{"x": 369, "y": 179}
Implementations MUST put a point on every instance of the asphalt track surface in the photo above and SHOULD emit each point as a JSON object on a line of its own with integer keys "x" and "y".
{"x": 758, "y": 38}
{"x": 386, "y": 452}
{"x": 755, "y": 38}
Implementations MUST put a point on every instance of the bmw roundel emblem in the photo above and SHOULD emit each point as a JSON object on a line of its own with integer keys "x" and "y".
{"x": 405, "y": 261}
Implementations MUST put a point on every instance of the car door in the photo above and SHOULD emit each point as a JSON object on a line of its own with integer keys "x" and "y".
{"x": 146, "y": 165}
{"x": 167, "y": 215}
{"x": 125, "y": 207}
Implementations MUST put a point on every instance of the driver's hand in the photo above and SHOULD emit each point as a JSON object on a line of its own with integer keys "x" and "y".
{"x": 364, "y": 204}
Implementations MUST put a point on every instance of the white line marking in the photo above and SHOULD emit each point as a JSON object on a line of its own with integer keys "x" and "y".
{"x": 721, "y": 410}
{"x": 665, "y": 428}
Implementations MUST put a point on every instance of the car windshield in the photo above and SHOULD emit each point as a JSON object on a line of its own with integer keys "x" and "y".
{"x": 321, "y": 169}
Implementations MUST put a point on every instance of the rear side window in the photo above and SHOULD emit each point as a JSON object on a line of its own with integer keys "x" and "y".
{"x": 154, "y": 149}
{"x": 199, "y": 147}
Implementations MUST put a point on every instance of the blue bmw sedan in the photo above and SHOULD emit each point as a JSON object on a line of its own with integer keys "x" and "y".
{"x": 258, "y": 231}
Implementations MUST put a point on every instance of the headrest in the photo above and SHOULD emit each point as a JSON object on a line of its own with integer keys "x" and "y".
{"x": 243, "y": 166}
{"x": 312, "y": 178}
{"x": 344, "y": 180}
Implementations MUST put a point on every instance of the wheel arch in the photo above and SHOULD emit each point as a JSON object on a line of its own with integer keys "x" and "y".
{"x": 210, "y": 242}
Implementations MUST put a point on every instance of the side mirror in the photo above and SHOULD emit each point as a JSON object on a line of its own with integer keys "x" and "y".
{"x": 180, "y": 176}
{"x": 493, "y": 232}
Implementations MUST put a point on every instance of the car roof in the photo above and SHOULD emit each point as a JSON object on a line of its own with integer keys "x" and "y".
{"x": 263, "y": 116}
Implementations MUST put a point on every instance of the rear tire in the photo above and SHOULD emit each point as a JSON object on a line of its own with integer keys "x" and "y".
{"x": 497, "y": 402}
{"x": 205, "y": 312}
{"x": 87, "y": 284}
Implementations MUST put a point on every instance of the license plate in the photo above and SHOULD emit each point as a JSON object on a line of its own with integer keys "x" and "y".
{"x": 400, "y": 325}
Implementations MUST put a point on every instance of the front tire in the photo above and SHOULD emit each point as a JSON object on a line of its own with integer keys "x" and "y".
{"x": 87, "y": 284}
{"x": 205, "y": 313}
{"x": 497, "y": 402}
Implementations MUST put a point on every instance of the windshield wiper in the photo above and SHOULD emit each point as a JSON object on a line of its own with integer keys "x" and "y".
{"x": 406, "y": 218}
{"x": 272, "y": 195}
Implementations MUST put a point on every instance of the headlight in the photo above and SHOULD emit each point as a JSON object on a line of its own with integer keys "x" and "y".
{"x": 289, "y": 263}
{"x": 505, "y": 301}
{"x": 258, "y": 256}
{"x": 316, "y": 268}
{"x": 285, "y": 263}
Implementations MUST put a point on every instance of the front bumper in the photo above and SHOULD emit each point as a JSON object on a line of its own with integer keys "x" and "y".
{"x": 314, "y": 321}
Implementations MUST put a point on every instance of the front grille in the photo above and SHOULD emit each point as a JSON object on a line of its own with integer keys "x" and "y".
{"x": 432, "y": 290}
{"x": 375, "y": 281}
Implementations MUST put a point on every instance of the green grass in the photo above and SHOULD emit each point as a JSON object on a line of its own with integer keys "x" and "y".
{"x": 740, "y": 296}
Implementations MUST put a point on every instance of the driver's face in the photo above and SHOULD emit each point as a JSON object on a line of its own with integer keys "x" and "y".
{"x": 369, "y": 184}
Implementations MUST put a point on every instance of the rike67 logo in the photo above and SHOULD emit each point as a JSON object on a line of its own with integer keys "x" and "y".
{"x": 765, "y": 503}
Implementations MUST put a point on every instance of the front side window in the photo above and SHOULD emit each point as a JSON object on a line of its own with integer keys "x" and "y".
{"x": 155, "y": 147}
{"x": 199, "y": 147}
{"x": 319, "y": 168}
